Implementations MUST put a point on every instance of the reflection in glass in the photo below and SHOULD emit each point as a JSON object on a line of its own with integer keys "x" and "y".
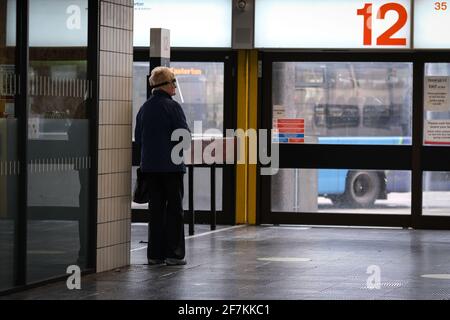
{"x": 9, "y": 164}
{"x": 342, "y": 190}
{"x": 58, "y": 148}
{"x": 344, "y": 102}
{"x": 436, "y": 193}
{"x": 200, "y": 93}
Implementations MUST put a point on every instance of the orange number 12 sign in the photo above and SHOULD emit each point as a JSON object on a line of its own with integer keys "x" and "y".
{"x": 386, "y": 38}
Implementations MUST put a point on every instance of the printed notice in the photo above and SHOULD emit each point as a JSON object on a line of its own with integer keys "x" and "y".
{"x": 288, "y": 130}
{"x": 436, "y": 94}
{"x": 437, "y": 132}
{"x": 278, "y": 112}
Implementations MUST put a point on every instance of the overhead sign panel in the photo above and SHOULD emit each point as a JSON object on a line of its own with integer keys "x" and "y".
{"x": 193, "y": 23}
{"x": 53, "y": 23}
{"x": 332, "y": 24}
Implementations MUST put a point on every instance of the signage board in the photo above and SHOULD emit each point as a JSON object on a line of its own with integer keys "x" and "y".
{"x": 431, "y": 24}
{"x": 332, "y": 24}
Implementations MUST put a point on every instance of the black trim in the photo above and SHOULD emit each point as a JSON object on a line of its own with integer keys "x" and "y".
{"x": 431, "y": 156}
{"x": 230, "y": 122}
{"x": 201, "y": 217}
{"x": 433, "y": 222}
{"x": 265, "y": 120}
{"x": 259, "y": 196}
{"x": 344, "y": 156}
{"x": 21, "y": 110}
{"x": 417, "y": 134}
{"x": 191, "y": 211}
{"x": 53, "y": 213}
{"x": 141, "y": 54}
{"x": 93, "y": 75}
{"x": 58, "y": 53}
{"x": 212, "y": 183}
{"x": 340, "y": 219}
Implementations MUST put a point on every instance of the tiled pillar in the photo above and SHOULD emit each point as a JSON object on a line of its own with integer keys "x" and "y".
{"x": 115, "y": 125}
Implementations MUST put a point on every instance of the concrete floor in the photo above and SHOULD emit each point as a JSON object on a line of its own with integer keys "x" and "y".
{"x": 279, "y": 263}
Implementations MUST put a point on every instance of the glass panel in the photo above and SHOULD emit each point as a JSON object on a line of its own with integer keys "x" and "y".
{"x": 342, "y": 102}
{"x": 437, "y": 104}
{"x": 9, "y": 164}
{"x": 342, "y": 190}
{"x": 53, "y": 23}
{"x": 200, "y": 93}
{"x": 436, "y": 193}
{"x": 202, "y": 191}
{"x": 193, "y": 23}
{"x": 58, "y": 153}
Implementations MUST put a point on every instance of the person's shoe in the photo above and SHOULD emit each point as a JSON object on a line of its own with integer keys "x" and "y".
{"x": 175, "y": 262}
{"x": 155, "y": 261}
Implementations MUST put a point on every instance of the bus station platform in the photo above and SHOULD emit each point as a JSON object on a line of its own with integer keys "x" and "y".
{"x": 278, "y": 263}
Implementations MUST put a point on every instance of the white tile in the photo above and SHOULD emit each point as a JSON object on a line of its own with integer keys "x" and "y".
{"x": 117, "y": 185}
{"x": 112, "y": 234}
{"x": 99, "y": 186}
{"x": 101, "y": 211}
{"x": 114, "y": 209}
{"x": 99, "y": 235}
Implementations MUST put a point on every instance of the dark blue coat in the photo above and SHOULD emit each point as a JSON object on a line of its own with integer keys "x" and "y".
{"x": 158, "y": 117}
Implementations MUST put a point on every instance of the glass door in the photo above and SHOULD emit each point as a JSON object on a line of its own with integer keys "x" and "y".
{"x": 343, "y": 126}
{"x": 47, "y": 109}
{"x": 436, "y": 139}
{"x": 9, "y": 164}
{"x": 206, "y": 100}
{"x": 58, "y": 155}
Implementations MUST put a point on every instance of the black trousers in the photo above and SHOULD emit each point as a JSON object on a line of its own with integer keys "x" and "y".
{"x": 166, "y": 226}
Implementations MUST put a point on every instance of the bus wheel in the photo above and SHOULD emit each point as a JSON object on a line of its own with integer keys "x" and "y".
{"x": 362, "y": 188}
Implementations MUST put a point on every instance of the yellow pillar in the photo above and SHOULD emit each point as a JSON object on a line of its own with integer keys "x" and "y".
{"x": 247, "y": 80}
{"x": 252, "y": 124}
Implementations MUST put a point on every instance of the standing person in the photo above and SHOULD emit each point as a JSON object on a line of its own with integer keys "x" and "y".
{"x": 158, "y": 117}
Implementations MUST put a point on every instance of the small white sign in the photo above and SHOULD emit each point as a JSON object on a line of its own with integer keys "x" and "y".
{"x": 436, "y": 94}
{"x": 193, "y": 23}
{"x": 159, "y": 43}
{"x": 437, "y": 132}
{"x": 279, "y": 112}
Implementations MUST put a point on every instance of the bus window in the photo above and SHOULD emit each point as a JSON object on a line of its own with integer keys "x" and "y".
{"x": 346, "y": 99}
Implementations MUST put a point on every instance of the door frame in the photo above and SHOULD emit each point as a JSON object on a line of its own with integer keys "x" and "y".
{"x": 229, "y": 58}
{"x": 416, "y": 157}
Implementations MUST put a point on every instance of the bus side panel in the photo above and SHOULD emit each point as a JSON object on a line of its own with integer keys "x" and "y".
{"x": 332, "y": 181}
